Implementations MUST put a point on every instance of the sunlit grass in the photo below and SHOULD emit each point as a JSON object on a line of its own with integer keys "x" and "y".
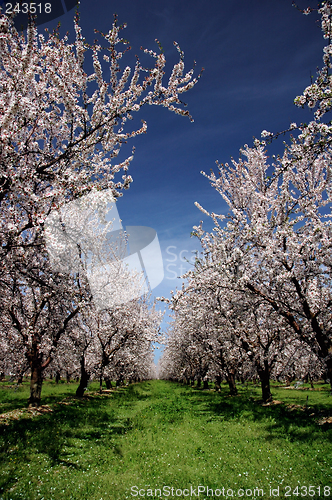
{"x": 157, "y": 434}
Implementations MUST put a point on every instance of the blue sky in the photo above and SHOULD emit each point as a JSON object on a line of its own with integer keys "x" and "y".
{"x": 258, "y": 56}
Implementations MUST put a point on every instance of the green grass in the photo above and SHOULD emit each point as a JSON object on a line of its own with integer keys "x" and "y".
{"x": 13, "y": 396}
{"x": 157, "y": 434}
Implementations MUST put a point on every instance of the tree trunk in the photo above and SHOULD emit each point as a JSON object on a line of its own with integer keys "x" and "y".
{"x": 36, "y": 382}
{"x": 108, "y": 383}
{"x": 198, "y": 382}
{"x": 311, "y": 382}
{"x": 264, "y": 375}
{"x": 68, "y": 377}
{"x": 83, "y": 381}
{"x": 329, "y": 370}
{"x": 57, "y": 377}
{"x": 35, "y": 360}
{"x": 230, "y": 377}
{"x": 205, "y": 384}
{"x": 217, "y": 383}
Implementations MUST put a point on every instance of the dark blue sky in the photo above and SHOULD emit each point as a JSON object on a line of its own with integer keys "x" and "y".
{"x": 258, "y": 56}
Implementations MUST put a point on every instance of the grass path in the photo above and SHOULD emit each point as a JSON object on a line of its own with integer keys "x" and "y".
{"x": 160, "y": 434}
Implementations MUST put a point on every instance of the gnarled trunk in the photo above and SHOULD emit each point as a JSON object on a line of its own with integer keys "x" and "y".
{"x": 264, "y": 376}
{"x": 329, "y": 370}
{"x": 217, "y": 383}
{"x": 35, "y": 360}
{"x": 36, "y": 382}
{"x": 230, "y": 377}
{"x": 108, "y": 382}
{"x": 83, "y": 380}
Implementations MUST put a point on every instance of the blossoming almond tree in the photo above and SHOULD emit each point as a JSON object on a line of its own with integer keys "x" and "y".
{"x": 121, "y": 329}
{"x": 126, "y": 339}
{"x": 109, "y": 344}
{"x": 281, "y": 242}
{"x": 225, "y": 333}
{"x": 61, "y": 131}
{"x": 267, "y": 264}
{"x": 95, "y": 289}
{"x": 219, "y": 332}
{"x": 278, "y": 231}
{"x": 60, "y": 128}
{"x": 116, "y": 319}
{"x": 37, "y": 306}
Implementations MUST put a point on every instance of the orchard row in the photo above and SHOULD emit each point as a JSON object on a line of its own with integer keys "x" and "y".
{"x": 258, "y": 301}
{"x": 68, "y": 302}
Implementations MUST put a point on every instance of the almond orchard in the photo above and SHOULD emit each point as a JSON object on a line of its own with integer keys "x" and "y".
{"x": 85, "y": 413}
{"x": 256, "y": 303}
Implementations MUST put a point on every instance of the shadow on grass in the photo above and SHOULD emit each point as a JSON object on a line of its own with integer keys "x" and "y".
{"x": 94, "y": 421}
{"x": 13, "y": 396}
{"x": 279, "y": 421}
{"x": 88, "y": 420}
